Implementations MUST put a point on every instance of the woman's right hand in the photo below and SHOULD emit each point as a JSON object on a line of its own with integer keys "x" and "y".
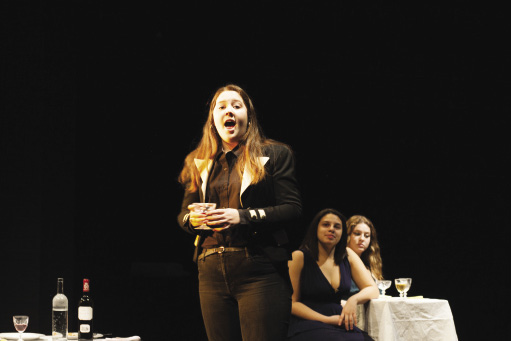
{"x": 196, "y": 218}
{"x": 349, "y": 313}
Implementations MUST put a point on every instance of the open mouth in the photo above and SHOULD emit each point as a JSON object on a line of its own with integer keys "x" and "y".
{"x": 229, "y": 124}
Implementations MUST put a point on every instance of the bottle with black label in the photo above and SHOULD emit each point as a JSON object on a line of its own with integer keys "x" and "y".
{"x": 85, "y": 316}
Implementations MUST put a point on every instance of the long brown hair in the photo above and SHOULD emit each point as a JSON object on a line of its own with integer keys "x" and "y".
{"x": 371, "y": 256}
{"x": 251, "y": 145}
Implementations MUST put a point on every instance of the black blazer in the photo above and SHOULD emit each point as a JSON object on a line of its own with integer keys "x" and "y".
{"x": 271, "y": 206}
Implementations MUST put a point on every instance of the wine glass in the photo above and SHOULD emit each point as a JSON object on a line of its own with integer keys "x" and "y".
{"x": 383, "y": 285}
{"x": 20, "y": 323}
{"x": 203, "y": 207}
{"x": 403, "y": 285}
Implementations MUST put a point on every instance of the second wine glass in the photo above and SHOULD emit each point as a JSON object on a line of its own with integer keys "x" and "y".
{"x": 403, "y": 285}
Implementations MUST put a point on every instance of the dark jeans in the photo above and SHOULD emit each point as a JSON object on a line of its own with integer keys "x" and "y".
{"x": 243, "y": 298}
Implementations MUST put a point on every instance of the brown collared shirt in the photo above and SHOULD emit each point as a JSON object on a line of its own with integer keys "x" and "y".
{"x": 224, "y": 186}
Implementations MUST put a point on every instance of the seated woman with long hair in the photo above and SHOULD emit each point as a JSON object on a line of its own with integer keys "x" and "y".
{"x": 321, "y": 272}
{"x": 363, "y": 240}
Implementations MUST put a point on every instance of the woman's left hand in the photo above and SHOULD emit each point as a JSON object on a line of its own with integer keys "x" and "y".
{"x": 223, "y": 218}
{"x": 349, "y": 314}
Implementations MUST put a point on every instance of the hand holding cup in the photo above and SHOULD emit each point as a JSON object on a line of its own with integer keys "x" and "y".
{"x": 198, "y": 214}
{"x": 205, "y": 216}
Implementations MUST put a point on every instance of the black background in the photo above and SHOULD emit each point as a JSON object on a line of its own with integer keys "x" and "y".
{"x": 395, "y": 110}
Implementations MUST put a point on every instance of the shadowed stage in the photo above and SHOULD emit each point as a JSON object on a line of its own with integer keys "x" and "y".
{"x": 394, "y": 111}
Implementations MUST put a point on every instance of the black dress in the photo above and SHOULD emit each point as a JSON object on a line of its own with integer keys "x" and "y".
{"x": 317, "y": 293}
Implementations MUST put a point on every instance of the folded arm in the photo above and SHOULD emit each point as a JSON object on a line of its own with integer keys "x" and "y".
{"x": 368, "y": 289}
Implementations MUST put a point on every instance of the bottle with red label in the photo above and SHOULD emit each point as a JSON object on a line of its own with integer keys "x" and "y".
{"x": 85, "y": 313}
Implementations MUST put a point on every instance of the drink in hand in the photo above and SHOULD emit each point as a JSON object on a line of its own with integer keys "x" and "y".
{"x": 203, "y": 207}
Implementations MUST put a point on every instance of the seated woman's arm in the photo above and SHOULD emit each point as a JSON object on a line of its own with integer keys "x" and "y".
{"x": 298, "y": 308}
{"x": 368, "y": 289}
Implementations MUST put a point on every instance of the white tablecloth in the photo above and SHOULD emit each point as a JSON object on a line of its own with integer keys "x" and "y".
{"x": 407, "y": 319}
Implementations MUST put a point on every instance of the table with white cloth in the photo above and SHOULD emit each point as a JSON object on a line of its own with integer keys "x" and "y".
{"x": 406, "y": 319}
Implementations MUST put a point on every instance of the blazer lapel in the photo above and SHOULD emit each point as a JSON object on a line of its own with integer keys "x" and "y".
{"x": 247, "y": 176}
{"x": 204, "y": 172}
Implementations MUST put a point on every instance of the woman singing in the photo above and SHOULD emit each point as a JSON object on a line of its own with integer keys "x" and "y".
{"x": 244, "y": 285}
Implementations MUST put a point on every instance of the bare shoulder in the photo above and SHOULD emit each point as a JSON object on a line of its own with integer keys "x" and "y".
{"x": 352, "y": 256}
{"x": 350, "y": 252}
{"x": 297, "y": 260}
{"x": 297, "y": 256}
{"x": 296, "y": 264}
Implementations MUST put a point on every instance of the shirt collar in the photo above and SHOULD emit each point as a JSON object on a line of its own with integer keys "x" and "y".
{"x": 236, "y": 151}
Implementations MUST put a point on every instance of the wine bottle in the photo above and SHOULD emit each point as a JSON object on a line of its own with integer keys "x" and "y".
{"x": 59, "y": 314}
{"x": 85, "y": 316}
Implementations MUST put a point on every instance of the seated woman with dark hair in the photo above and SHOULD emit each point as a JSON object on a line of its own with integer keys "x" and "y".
{"x": 321, "y": 272}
